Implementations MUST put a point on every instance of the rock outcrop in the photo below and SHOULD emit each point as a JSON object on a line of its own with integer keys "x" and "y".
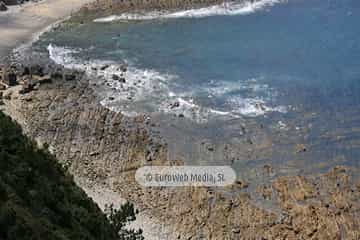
{"x": 104, "y": 147}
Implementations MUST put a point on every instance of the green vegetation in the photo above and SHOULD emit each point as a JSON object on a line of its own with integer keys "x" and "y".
{"x": 38, "y": 200}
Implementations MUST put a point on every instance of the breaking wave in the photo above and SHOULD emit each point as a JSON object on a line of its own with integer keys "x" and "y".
{"x": 231, "y": 8}
{"x": 138, "y": 91}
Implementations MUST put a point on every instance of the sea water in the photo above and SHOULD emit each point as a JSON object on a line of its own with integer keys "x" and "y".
{"x": 292, "y": 67}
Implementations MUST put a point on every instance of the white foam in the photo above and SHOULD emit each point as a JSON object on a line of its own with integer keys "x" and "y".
{"x": 62, "y": 56}
{"x": 148, "y": 90}
{"x": 252, "y": 107}
{"x": 224, "y": 9}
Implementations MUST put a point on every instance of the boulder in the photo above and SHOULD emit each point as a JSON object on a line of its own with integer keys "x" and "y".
{"x": 3, "y": 6}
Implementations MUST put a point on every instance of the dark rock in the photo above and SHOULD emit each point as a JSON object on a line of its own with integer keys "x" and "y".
{"x": 123, "y": 68}
{"x": 26, "y": 71}
{"x": 210, "y": 148}
{"x": 115, "y": 77}
{"x": 70, "y": 77}
{"x": 26, "y": 88}
{"x": 3, "y": 6}
{"x": 260, "y": 106}
{"x": 111, "y": 98}
{"x": 37, "y": 70}
{"x": 181, "y": 115}
{"x": 175, "y": 105}
{"x": 122, "y": 80}
{"x": 241, "y": 184}
{"x": 94, "y": 153}
{"x": 57, "y": 74}
{"x": 104, "y": 67}
{"x": 10, "y": 78}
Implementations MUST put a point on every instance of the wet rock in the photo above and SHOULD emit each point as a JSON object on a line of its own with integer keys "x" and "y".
{"x": 210, "y": 148}
{"x": 26, "y": 71}
{"x": 123, "y": 68}
{"x": 174, "y": 105}
{"x": 57, "y": 74}
{"x": 70, "y": 77}
{"x": 8, "y": 76}
{"x": 95, "y": 153}
{"x": 260, "y": 106}
{"x": 37, "y": 70}
{"x": 104, "y": 67}
{"x": 115, "y": 77}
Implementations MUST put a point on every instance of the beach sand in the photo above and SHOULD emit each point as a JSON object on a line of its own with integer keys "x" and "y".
{"x": 20, "y": 24}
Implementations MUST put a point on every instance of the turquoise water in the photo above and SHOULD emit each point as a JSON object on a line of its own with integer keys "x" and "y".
{"x": 293, "y": 66}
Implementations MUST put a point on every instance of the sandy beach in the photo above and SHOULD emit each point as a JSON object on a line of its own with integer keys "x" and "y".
{"x": 21, "y": 24}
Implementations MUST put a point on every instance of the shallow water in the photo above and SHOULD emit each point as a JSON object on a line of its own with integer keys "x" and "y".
{"x": 289, "y": 72}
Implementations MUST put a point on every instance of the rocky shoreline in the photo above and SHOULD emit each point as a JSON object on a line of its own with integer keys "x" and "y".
{"x": 104, "y": 148}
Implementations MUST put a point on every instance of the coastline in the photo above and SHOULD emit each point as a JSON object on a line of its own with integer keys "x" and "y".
{"x": 98, "y": 126}
{"x": 21, "y": 25}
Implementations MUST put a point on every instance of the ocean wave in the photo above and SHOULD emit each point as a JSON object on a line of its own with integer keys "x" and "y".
{"x": 231, "y": 8}
{"x": 146, "y": 90}
{"x": 186, "y": 107}
{"x": 252, "y": 107}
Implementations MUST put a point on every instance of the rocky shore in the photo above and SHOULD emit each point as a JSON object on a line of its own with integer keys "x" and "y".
{"x": 104, "y": 7}
{"x": 103, "y": 149}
